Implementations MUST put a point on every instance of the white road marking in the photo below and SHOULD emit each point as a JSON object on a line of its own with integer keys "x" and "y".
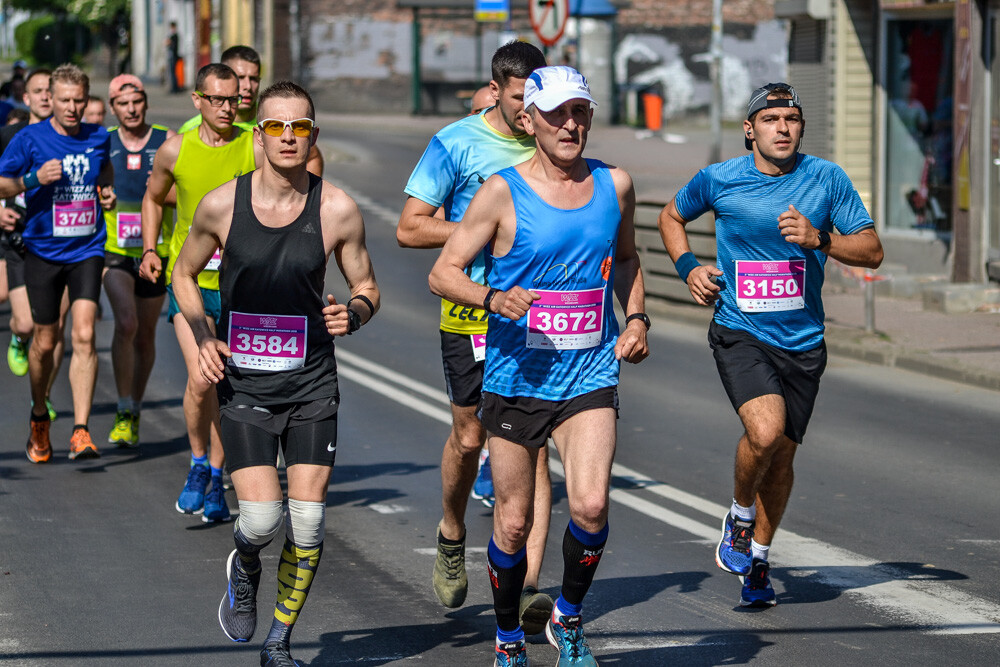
{"x": 928, "y": 604}
{"x": 383, "y": 508}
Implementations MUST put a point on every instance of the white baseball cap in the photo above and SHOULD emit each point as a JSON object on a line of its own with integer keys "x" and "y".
{"x": 548, "y": 87}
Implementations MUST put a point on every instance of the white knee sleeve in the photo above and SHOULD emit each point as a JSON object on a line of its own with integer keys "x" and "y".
{"x": 259, "y": 521}
{"x": 306, "y": 524}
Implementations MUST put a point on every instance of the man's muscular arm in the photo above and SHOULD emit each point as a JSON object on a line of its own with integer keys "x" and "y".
{"x": 420, "y": 227}
{"x": 160, "y": 182}
{"x": 344, "y": 231}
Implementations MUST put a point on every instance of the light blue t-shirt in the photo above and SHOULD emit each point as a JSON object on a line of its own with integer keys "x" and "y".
{"x": 77, "y": 231}
{"x": 566, "y": 346}
{"x": 747, "y": 204}
{"x": 456, "y": 163}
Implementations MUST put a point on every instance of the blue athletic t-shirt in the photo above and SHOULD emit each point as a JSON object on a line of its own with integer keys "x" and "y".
{"x": 566, "y": 347}
{"x": 458, "y": 160}
{"x": 747, "y": 204}
{"x": 80, "y": 232}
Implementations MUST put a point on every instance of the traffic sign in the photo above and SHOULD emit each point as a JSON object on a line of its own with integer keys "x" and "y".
{"x": 548, "y": 19}
{"x": 492, "y": 10}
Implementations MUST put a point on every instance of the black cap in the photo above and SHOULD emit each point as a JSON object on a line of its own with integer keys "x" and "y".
{"x": 758, "y": 101}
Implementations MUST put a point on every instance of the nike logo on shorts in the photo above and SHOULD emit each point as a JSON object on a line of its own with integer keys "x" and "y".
{"x": 330, "y": 447}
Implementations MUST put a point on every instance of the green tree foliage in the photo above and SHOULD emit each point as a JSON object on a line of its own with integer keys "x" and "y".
{"x": 93, "y": 12}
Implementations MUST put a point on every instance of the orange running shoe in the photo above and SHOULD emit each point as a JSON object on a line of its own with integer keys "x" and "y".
{"x": 81, "y": 446}
{"x": 39, "y": 448}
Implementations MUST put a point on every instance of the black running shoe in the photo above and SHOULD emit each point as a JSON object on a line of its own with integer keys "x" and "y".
{"x": 276, "y": 654}
{"x": 238, "y": 609}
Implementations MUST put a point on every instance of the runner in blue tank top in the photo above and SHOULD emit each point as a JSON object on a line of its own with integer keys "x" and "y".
{"x": 63, "y": 168}
{"x": 135, "y": 303}
{"x": 561, "y": 244}
{"x": 774, "y": 213}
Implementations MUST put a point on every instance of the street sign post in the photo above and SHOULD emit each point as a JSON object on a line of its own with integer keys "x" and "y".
{"x": 548, "y": 19}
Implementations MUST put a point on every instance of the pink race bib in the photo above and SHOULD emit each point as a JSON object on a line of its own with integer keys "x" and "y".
{"x": 770, "y": 286}
{"x": 478, "y": 347}
{"x": 74, "y": 218}
{"x": 267, "y": 342}
{"x": 569, "y": 320}
{"x": 215, "y": 262}
{"x": 129, "y": 230}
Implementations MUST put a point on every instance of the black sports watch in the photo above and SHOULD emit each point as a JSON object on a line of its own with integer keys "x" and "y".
{"x": 824, "y": 239}
{"x": 639, "y": 316}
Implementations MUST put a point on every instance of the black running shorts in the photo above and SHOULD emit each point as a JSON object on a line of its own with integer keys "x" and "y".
{"x": 47, "y": 280}
{"x": 530, "y": 421}
{"x": 130, "y": 265}
{"x": 15, "y": 266}
{"x": 306, "y": 433}
{"x": 463, "y": 375}
{"x": 750, "y": 368}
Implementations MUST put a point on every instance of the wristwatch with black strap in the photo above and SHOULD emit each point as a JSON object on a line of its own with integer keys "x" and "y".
{"x": 639, "y": 316}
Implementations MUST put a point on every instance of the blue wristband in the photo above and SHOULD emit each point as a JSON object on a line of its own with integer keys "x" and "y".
{"x": 31, "y": 180}
{"x": 685, "y": 264}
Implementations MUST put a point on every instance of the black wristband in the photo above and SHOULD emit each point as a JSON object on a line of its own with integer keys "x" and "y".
{"x": 489, "y": 298}
{"x": 146, "y": 252}
{"x": 365, "y": 300}
{"x": 353, "y": 321}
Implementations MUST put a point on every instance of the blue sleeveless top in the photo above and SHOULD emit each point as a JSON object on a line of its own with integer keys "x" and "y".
{"x": 571, "y": 253}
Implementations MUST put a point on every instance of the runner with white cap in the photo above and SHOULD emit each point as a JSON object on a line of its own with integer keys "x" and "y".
{"x": 561, "y": 245}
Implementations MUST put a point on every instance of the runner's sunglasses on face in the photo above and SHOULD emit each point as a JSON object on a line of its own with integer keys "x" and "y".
{"x": 272, "y": 127}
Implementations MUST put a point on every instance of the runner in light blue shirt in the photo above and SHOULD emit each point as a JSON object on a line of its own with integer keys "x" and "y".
{"x": 774, "y": 213}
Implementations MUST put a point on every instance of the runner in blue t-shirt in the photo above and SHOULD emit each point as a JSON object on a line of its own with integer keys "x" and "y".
{"x": 456, "y": 163}
{"x": 63, "y": 167}
{"x": 774, "y": 214}
{"x": 559, "y": 230}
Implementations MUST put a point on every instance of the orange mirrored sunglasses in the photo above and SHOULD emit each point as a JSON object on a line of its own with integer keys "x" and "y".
{"x": 272, "y": 127}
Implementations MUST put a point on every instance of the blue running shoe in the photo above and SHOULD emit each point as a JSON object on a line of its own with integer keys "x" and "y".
{"x": 733, "y": 554}
{"x": 566, "y": 634}
{"x": 483, "y": 488}
{"x": 238, "y": 609}
{"x": 511, "y": 654}
{"x": 757, "y": 591}
{"x": 216, "y": 508}
{"x": 192, "y": 498}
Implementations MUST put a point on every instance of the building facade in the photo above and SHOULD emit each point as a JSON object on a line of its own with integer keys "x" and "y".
{"x": 903, "y": 94}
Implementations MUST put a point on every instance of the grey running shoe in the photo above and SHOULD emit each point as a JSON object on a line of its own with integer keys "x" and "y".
{"x": 534, "y": 610}
{"x": 451, "y": 584}
{"x": 276, "y": 654}
{"x": 238, "y": 609}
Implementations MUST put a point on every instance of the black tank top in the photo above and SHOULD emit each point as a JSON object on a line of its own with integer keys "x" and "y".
{"x": 271, "y": 284}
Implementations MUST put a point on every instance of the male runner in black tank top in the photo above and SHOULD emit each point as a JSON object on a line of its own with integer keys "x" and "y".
{"x": 274, "y": 367}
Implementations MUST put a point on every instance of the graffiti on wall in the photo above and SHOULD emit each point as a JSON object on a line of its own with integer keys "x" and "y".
{"x": 343, "y": 47}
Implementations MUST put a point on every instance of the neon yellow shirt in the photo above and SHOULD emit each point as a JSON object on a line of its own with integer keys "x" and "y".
{"x": 199, "y": 170}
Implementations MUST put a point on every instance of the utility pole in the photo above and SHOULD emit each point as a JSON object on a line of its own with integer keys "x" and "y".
{"x": 715, "y": 69}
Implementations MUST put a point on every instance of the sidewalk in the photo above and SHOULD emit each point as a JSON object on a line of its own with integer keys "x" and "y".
{"x": 959, "y": 347}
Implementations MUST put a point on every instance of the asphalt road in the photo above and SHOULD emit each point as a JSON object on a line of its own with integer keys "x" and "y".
{"x": 888, "y": 554}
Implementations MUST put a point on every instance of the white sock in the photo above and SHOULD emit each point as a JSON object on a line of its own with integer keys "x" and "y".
{"x": 737, "y": 511}
{"x": 759, "y": 551}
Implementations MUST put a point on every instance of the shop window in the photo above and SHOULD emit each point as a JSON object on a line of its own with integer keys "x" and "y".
{"x": 919, "y": 85}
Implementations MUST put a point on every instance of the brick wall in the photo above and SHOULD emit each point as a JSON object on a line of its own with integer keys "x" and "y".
{"x": 675, "y": 13}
